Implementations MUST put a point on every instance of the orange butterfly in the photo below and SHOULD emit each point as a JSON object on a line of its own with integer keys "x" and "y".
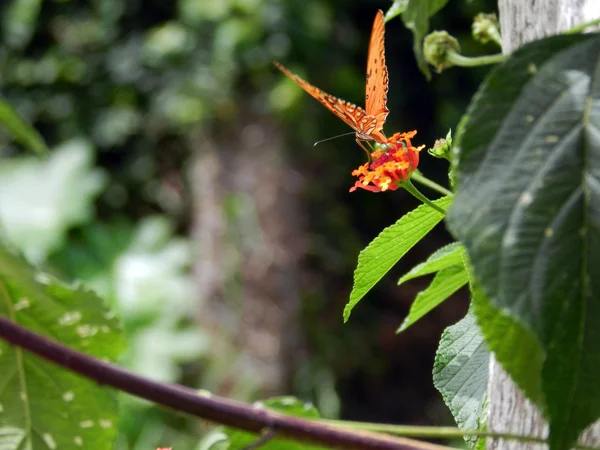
{"x": 368, "y": 123}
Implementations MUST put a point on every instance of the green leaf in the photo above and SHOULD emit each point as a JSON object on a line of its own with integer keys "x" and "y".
{"x": 400, "y": 6}
{"x": 515, "y": 347}
{"x": 527, "y": 212}
{"x": 415, "y": 15}
{"x": 460, "y": 373}
{"x": 445, "y": 283}
{"x": 21, "y": 130}
{"x": 43, "y": 406}
{"x": 41, "y": 199}
{"x": 288, "y": 405}
{"x": 391, "y": 245}
{"x": 445, "y": 257}
{"x": 397, "y": 8}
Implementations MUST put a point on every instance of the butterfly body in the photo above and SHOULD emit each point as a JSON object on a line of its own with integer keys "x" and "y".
{"x": 368, "y": 122}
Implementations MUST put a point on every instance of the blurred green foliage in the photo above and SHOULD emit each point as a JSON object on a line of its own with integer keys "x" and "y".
{"x": 226, "y": 437}
{"x": 120, "y": 90}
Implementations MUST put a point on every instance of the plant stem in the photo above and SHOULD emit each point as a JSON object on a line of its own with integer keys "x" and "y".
{"x": 429, "y": 432}
{"x": 465, "y": 61}
{"x": 495, "y": 35}
{"x": 582, "y": 26}
{"x": 420, "y": 178}
{"x": 415, "y": 192}
{"x": 436, "y": 432}
{"x": 204, "y": 405}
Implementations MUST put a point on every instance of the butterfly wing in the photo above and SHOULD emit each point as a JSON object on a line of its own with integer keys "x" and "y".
{"x": 377, "y": 78}
{"x": 352, "y": 115}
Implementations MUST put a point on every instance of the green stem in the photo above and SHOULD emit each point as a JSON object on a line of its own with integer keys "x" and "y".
{"x": 428, "y": 432}
{"x": 495, "y": 36}
{"x": 435, "y": 432}
{"x": 415, "y": 192}
{"x": 465, "y": 61}
{"x": 582, "y": 26}
{"x": 422, "y": 179}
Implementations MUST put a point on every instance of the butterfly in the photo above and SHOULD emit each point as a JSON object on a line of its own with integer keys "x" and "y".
{"x": 368, "y": 123}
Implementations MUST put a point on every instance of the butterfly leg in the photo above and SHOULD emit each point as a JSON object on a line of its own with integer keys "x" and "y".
{"x": 360, "y": 143}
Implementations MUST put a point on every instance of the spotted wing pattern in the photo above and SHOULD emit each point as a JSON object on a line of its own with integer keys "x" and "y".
{"x": 377, "y": 79}
{"x": 351, "y": 114}
{"x": 368, "y": 123}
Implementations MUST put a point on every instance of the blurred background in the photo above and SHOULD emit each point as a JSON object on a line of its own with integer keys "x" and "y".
{"x": 184, "y": 187}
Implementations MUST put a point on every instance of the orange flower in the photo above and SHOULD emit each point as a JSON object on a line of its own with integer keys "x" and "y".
{"x": 390, "y": 165}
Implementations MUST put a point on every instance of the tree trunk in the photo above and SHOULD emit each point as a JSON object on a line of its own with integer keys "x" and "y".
{"x": 523, "y": 21}
{"x": 509, "y": 411}
{"x": 249, "y": 231}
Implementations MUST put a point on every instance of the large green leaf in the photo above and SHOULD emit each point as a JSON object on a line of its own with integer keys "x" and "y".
{"x": 415, "y": 15}
{"x": 43, "y": 406}
{"x": 527, "y": 210}
{"x": 391, "y": 244}
{"x": 514, "y": 346}
{"x": 460, "y": 373}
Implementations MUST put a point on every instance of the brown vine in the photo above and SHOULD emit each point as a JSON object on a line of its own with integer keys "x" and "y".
{"x": 208, "y": 407}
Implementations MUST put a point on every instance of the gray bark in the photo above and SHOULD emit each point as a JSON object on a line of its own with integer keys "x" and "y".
{"x": 523, "y": 21}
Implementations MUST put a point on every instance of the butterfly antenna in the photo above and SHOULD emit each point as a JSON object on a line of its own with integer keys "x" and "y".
{"x": 334, "y": 137}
